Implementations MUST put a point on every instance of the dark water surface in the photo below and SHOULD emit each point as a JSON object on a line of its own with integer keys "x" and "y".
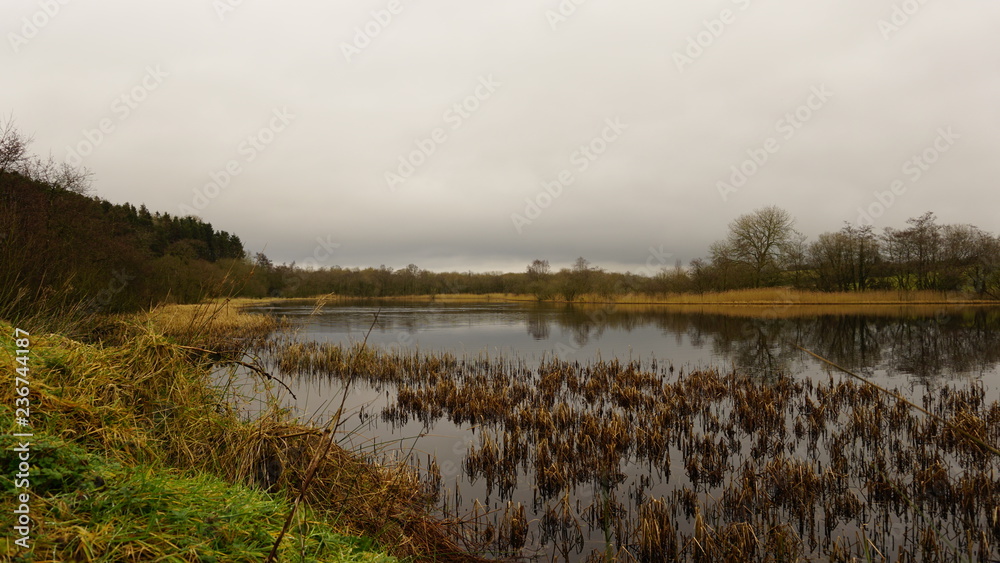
{"x": 900, "y": 347}
{"x": 917, "y": 351}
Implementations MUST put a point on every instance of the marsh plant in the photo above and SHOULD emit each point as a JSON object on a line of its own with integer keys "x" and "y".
{"x": 611, "y": 460}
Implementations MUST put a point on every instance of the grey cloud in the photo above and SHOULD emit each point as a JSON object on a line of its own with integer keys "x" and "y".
{"x": 656, "y": 185}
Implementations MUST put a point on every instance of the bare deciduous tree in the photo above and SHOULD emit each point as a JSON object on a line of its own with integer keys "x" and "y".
{"x": 14, "y": 157}
{"x": 538, "y": 282}
{"x": 578, "y": 280}
{"x": 759, "y": 240}
{"x": 538, "y": 270}
{"x": 13, "y": 145}
{"x": 924, "y": 235}
{"x": 57, "y": 174}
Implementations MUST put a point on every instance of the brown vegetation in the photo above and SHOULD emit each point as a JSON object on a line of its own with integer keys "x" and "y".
{"x": 704, "y": 466}
{"x": 146, "y": 399}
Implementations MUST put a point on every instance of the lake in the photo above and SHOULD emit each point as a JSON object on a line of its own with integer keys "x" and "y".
{"x": 488, "y": 466}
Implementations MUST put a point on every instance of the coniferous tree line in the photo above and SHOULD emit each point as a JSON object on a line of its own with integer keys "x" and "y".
{"x": 59, "y": 247}
{"x": 64, "y": 250}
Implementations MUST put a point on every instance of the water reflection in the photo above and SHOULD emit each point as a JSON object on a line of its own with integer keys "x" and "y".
{"x": 924, "y": 343}
{"x": 584, "y": 449}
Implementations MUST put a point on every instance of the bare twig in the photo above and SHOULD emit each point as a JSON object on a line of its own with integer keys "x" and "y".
{"x": 321, "y": 453}
{"x": 256, "y": 369}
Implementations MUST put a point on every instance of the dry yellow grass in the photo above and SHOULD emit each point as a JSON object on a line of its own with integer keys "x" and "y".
{"x": 218, "y": 325}
{"x": 150, "y": 400}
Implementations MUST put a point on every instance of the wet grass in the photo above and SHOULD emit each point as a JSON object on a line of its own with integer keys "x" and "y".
{"x": 641, "y": 461}
{"x": 98, "y": 510}
{"x": 156, "y": 464}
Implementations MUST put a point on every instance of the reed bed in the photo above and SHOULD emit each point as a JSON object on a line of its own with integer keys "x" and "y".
{"x": 653, "y": 463}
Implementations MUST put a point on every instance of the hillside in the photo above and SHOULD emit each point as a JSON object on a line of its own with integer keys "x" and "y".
{"x": 59, "y": 247}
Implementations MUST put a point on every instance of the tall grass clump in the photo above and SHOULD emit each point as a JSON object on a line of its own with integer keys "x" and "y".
{"x": 47, "y": 309}
{"x": 219, "y": 325}
{"x": 146, "y": 423}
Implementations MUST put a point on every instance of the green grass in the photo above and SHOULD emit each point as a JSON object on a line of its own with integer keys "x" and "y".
{"x": 89, "y": 508}
{"x": 138, "y": 457}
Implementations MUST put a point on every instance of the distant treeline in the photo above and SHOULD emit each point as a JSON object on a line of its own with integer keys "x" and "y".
{"x": 62, "y": 249}
{"x": 761, "y": 249}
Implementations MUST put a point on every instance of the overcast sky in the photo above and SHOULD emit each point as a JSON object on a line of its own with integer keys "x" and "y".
{"x": 298, "y": 122}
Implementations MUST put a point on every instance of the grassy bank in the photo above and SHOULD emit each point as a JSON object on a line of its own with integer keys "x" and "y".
{"x": 135, "y": 456}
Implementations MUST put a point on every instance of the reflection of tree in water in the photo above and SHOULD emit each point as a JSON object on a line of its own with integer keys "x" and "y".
{"x": 953, "y": 342}
{"x": 924, "y": 347}
{"x": 852, "y": 341}
{"x": 538, "y": 325}
{"x": 958, "y": 342}
{"x": 917, "y": 348}
{"x": 947, "y": 344}
{"x": 589, "y": 323}
{"x": 760, "y": 347}
{"x": 583, "y": 332}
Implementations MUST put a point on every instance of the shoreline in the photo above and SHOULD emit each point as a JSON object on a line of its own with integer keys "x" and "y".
{"x": 787, "y": 301}
{"x": 138, "y": 411}
{"x": 754, "y": 298}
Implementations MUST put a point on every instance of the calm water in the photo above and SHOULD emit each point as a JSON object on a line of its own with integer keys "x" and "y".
{"x": 907, "y": 349}
{"x": 914, "y": 352}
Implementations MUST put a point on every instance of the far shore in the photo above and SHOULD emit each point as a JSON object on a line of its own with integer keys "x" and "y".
{"x": 742, "y": 297}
